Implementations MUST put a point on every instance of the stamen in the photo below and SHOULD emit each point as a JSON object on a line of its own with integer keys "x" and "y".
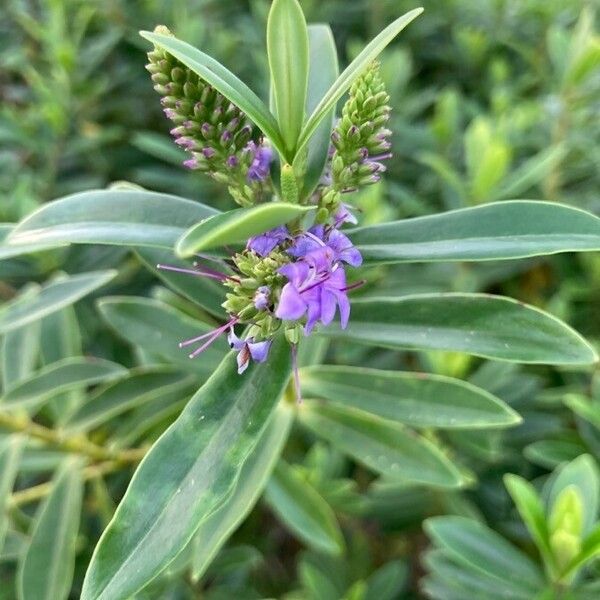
{"x": 354, "y": 286}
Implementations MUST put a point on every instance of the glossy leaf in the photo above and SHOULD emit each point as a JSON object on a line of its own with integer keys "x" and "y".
{"x": 214, "y": 531}
{"x": 236, "y": 226}
{"x": 287, "y": 48}
{"x": 46, "y": 571}
{"x": 7, "y": 251}
{"x": 323, "y": 72}
{"x": 122, "y": 217}
{"x": 416, "y": 399}
{"x": 211, "y": 439}
{"x": 159, "y": 328}
{"x": 386, "y": 447}
{"x": 504, "y": 230}
{"x": 141, "y": 386}
{"x": 471, "y": 543}
{"x": 223, "y": 81}
{"x": 51, "y": 297}
{"x": 61, "y": 376}
{"x": 532, "y": 512}
{"x": 582, "y": 473}
{"x": 300, "y": 507}
{"x": 489, "y": 326}
{"x": 353, "y": 72}
{"x": 10, "y": 456}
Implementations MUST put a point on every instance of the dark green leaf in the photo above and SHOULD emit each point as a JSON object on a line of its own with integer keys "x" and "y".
{"x": 480, "y": 324}
{"x": 211, "y": 439}
{"x": 504, "y": 230}
{"x": 416, "y": 399}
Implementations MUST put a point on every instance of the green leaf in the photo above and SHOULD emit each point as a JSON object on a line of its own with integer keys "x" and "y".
{"x": 478, "y": 547}
{"x": 480, "y": 324}
{"x": 352, "y": 73}
{"x": 416, "y": 399}
{"x": 532, "y": 512}
{"x": 60, "y": 339}
{"x": 159, "y": 328}
{"x": 387, "y": 582}
{"x": 46, "y": 571}
{"x": 503, "y": 230}
{"x": 386, "y": 447}
{"x": 203, "y": 291}
{"x": 324, "y": 70}
{"x": 63, "y": 375}
{"x": 300, "y": 507}
{"x": 7, "y": 251}
{"x": 36, "y": 304}
{"x": 223, "y": 81}
{"x": 10, "y": 456}
{"x": 236, "y": 226}
{"x": 287, "y": 48}
{"x": 214, "y": 531}
{"x": 590, "y": 549}
{"x": 141, "y": 386}
{"x": 121, "y": 217}
{"x": 582, "y": 407}
{"x": 211, "y": 439}
{"x": 582, "y": 473}
{"x": 20, "y": 351}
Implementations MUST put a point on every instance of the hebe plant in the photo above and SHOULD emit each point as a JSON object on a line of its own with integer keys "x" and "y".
{"x": 272, "y": 276}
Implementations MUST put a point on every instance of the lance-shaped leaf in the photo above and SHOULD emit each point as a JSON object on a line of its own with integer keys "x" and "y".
{"x": 7, "y": 251}
{"x": 223, "y": 81}
{"x": 352, "y": 73}
{"x": 214, "y": 531}
{"x": 46, "y": 571}
{"x": 143, "y": 385}
{"x": 120, "y": 217}
{"x": 159, "y": 328}
{"x": 303, "y": 510}
{"x": 168, "y": 499}
{"x": 474, "y": 545}
{"x": 236, "y": 226}
{"x": 386, "y": 447}
{"x": 63, "y": 375}
{"x": 287, "y": 46}
{"x": 324, "y": 70}
{"x": 40, "y": 302}
{"x": 489, "y": 326}
{"x": 504, "y": 230}
{"x": 10, "y": 455}
{"x": 416, "y": 399}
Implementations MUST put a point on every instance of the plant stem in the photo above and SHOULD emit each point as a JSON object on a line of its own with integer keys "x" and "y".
{"x": 77, "y": 444}
{"x": 37, "y": 492}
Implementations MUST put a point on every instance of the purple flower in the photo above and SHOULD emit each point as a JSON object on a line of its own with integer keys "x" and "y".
{"x": 248, "y": 349}
{"x": 265, "y": 243}
{"x": 261, "y": 162}
{"x": 314, "y": 293}
{"x": 321, "y": 236}
{"x": 344, "y": 215}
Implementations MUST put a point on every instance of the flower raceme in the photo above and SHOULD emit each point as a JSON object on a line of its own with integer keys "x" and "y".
{"x": 281, "y": 282}
{"x": 292, "y": 278}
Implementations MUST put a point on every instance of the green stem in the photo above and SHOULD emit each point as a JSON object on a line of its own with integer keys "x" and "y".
{"x": 77, "y": 444}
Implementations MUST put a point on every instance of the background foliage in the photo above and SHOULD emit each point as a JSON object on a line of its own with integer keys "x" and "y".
{"x": 492, "y": 100}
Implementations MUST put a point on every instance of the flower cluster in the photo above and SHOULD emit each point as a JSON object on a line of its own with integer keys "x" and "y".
{"x": 290, "y": 279}
{"x": 360, "y": 141}
{"x": 217, "y": 134}
{"x": 283, "y": 282}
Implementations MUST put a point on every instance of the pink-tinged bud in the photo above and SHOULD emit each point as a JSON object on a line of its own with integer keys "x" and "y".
{"x": 208, "y": 152}
{"x": 232, "y": 162}
{"x": 191, "y": 163}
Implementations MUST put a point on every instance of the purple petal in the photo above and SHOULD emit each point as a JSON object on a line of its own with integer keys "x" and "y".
{"x": 259, "y": 350}
{"x": 328, "y": 306}
{"x": 297, "y": 272}
{"x": 234, "y": 341}
{"x": 291, "y": 305}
